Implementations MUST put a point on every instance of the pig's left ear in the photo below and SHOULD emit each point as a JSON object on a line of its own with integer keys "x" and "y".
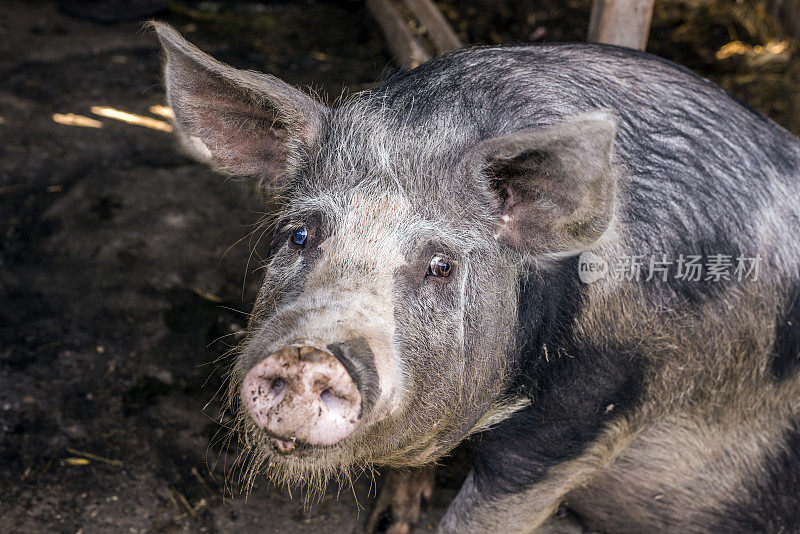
{"x": 241, "y": 122}
{"x": 555, "y": 186}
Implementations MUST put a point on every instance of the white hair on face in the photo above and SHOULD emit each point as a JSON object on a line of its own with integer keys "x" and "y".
{"x": 386, "y": 188}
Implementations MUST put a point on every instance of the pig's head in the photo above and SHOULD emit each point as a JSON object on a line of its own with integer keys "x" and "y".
{"x": 386, "y": 327}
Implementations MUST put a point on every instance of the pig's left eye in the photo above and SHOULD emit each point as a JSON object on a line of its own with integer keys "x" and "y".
{"x": 440, "y": 267}
{"x": 299, "y": 236}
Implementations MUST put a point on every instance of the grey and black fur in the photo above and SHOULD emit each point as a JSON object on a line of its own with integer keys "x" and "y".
{"x": 647, "y": 406}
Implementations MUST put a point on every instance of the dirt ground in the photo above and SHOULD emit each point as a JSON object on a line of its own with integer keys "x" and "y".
{"x": 123, "y": 263}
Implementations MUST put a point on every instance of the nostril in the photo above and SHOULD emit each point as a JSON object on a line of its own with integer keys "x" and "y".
{"x": 277, "y": 386}
{"x": 333, "y": 401}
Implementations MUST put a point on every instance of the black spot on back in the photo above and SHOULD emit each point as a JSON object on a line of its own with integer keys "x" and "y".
{"x": 575, "y": 391}
{"x": 785, "y": 356}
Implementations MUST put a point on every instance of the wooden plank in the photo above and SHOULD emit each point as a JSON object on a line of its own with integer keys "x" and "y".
{"x": 621, "y": 22}
{"x": 438, "y": 29}
{"x": 406, "y": 49}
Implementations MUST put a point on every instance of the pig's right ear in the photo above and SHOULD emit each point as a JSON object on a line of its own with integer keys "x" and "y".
{"x": 241, "y": 122}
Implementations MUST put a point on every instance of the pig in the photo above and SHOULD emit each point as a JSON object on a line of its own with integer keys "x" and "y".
{"x": 424, "y": 286}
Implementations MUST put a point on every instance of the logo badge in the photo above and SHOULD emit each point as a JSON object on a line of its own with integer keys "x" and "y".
{"x": 591, "y": 267}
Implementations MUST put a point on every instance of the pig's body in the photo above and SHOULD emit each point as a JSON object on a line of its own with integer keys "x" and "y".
{"x": 429, "y": 244}
{"x": 703, "y": 433}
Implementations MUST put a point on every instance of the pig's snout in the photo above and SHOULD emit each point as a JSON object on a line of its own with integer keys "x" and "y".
{"x": 302, "y": 393}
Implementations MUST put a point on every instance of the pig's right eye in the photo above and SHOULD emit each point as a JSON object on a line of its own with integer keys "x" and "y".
{"x": 440, "y": 267}
{"x": 299, "y": 236}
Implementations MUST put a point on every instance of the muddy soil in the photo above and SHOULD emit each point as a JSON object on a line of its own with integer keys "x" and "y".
{"x": 127, "y": 270}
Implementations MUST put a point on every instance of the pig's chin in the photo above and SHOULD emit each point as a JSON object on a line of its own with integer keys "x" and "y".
{"x": 390, "y": 442}
{"x": 287, "y": 461}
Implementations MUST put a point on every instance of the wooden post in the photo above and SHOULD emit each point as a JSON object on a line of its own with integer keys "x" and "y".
{"x": 621, "y": 22}
{"x": 407, "y": 50}
{"x": 438, "y": 30}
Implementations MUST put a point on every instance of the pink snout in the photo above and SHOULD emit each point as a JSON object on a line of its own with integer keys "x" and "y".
{"x": 302, "y": 393}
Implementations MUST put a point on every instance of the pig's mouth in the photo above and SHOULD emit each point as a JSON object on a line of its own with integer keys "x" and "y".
{"x": 287, "y": 446}
{"x": 294, "y": 447}
{"x": 283, "y": 446}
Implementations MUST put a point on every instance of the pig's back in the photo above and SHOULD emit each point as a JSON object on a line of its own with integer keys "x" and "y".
{"x": 704, "y": 169}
